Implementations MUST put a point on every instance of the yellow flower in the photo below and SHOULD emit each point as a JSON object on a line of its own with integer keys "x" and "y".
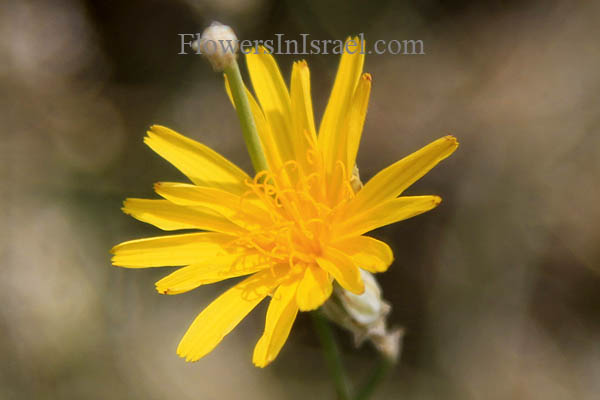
{"x": 293, "y": 228}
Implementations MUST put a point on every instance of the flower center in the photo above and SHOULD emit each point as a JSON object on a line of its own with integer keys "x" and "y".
{"x": 299, "y": 211}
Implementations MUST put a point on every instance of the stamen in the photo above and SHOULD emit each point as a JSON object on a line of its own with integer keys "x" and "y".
{"x": 294, "y": 198}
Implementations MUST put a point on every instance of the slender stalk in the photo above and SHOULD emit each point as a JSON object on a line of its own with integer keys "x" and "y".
{"x": 379, "y": 373}
{"x": 332, "y": 355}
{"x": 242, "y": 107}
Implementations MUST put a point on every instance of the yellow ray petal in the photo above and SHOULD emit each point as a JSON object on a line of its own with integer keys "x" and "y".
{"x": 356, "y": 120}
{"x": 331, "y": 130}
{"x": 393, "y": 180}
{"x": 341, "y": 267}
{"x": 386, "y": 213}
{"x": 304, "y": 136}
{"x": 280, "y": 318}
{"x": 345, "y": 151}
{"x": 314, "y": 289}
{"x": 274, "y": 99}
{"x": 265, "y": 133}
{"x": 169, "y": 216}
{"x": 171, "y": 250}
{"x": 244, "y": 210}
{"x": 367, "y": 253}
{"x": 200, "y": 164}
{"x": 223, "y": 314}
{"x": 211, "y": 270}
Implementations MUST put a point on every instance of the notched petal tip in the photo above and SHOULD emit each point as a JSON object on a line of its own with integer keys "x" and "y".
{"x": 114, "y": 260}
{"x": 186, "y": 356}
{"x": 183, "y": 353}
{"x": 356, "y": 39}
{"x": 452, "y": 139}
{"x": 367, "y": 77}
{"x": 153, "y": 130}
{"x": 301, "y": 64}
{"x": 126, "y": 206}
{"x": 162, "y": 290}
{"x": 156, "y": 128}
{"x": 158, "y": 186}
{"x": 156, "y": 131}
{"x": 260, "y": 50}
{"x": 260, "y": 363}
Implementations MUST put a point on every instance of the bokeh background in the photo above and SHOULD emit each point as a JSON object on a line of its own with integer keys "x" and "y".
{"x": 498, "y": 289}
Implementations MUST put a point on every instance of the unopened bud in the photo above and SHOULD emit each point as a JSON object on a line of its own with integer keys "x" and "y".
{"x": 365, "y": 316}
{"x": 368, "y": 307}
{"x": 219, "y": 45}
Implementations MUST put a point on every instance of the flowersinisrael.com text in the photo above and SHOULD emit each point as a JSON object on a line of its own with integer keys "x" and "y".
{"x": 302, "y": 46}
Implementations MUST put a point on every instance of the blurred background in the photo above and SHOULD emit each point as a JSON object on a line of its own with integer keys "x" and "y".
{"x": 498, "y": 288}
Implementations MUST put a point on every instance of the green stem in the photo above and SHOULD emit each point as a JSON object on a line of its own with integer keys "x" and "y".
{"x": 242, "y": 107}
{"x": 377, "y": 376}
{"x": 332, "y": 355}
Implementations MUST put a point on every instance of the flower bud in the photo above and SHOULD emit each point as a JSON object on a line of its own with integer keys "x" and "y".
{"x": 219, "y": 44}
{"x": 368, "y": 307}
{"x": 365, "y": 316}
